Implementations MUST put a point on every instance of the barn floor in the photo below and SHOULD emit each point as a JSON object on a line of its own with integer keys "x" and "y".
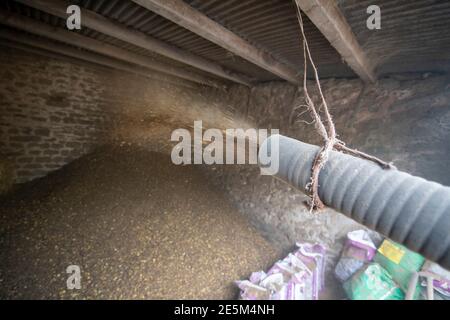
{"x": 138, "y": 227}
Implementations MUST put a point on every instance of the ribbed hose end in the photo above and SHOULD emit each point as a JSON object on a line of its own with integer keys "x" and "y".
{"x": 407, "y": 209}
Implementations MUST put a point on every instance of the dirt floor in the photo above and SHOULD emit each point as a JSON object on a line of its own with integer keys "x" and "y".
{"x": 138, "y": 227}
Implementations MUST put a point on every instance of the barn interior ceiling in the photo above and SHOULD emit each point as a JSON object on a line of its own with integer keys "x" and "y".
{"x": 238, "y": 41}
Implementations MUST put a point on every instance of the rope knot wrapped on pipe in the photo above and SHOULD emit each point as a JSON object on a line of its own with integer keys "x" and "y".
{"x": 325, "y": 129}
{"x": 407, "y": 209}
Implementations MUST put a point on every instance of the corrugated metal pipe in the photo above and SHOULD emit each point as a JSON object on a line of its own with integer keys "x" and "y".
{"x": 407, "y": 209}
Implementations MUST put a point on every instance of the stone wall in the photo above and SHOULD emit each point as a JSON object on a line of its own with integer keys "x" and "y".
{"x": 51, "y": 112}
{"x": 404, "y": 120}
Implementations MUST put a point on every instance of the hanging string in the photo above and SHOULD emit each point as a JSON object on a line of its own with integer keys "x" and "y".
{"x": 325, "y": 128}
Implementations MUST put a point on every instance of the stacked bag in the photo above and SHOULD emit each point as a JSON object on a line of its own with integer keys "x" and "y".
{"x": 383, "y": 274}
{"x": 299, "y": 276}
{"x": 367, "y": 273}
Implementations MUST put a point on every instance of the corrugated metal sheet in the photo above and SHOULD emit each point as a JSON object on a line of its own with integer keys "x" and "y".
{"x": 272, "y": 25}
{"x": 414, "y": 35}
{"x": 132, "y": 15}
{"x": 15, "y": 7}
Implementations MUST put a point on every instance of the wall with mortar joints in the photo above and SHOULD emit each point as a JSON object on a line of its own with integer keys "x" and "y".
{"x": 51, "y": 112}
{"x": 402, "y": 120}
{"x": 54, "y": 111}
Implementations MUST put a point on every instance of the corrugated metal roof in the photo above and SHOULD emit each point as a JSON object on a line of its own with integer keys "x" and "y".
{"x": 165, "y": 30}
{"x": 414, "y": 34}
{"x": 272, "y": 25}
{"x": 19, "y": 8}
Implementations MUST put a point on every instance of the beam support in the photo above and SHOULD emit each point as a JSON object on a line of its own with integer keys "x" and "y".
{"x": 331, "y": 22}
{"x": 186, "y": 16}
{"x": 32, "y": 26}
{"x": 103, "y": 25}
{"x": 52, "y": 49}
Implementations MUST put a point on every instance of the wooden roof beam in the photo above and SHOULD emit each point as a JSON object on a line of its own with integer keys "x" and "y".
{"x": 116, "y": 30}
{"x": 52, "y": 49}
{"x": 186, "y": 16}
{"x": 331, "y": 22}
{"x": 72, "y": 38}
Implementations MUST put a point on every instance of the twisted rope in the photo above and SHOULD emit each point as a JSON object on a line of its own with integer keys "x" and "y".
{"x": 326, "y": 129}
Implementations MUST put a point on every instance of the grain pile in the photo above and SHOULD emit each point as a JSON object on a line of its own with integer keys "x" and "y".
{"x": 138, "y": 226}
